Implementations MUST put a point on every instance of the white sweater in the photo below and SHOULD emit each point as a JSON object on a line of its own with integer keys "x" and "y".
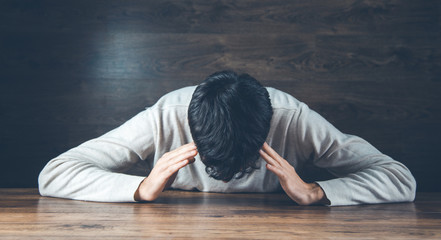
{"x": 111, "y": 167}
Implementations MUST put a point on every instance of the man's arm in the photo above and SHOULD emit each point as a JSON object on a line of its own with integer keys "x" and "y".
{"x": 364, "y": 174}
{"x": 95, "y": 170}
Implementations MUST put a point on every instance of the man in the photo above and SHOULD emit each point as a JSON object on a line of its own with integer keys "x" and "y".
{"x": 229, "y": 134}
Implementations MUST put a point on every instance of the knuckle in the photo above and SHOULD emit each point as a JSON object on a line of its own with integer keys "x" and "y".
{"x": 282, "y": 174}
{"x": 160, "y": 168}
{"x": 170, "y": 170}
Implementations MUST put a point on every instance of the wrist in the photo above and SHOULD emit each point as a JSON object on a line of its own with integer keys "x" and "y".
{"x": 142, "y": 193}
{"x": 316, "y": 195}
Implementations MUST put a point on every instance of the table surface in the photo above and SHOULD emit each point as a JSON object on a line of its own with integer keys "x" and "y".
{"x": 24, "y": 214}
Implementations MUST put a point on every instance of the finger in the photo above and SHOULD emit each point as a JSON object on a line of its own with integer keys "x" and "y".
{"x": 275, "y": 170}
{"x": 272, "y": 153}
{"x": 179, "y": 151}
{"x": 175, "y": 167}
{"x": 182, "y": 149}
{"x": 189, "y": 155}
{"x": 267, "y": 157}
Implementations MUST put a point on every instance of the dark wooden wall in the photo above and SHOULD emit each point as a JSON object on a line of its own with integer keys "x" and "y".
{"x": 73, "y": 70}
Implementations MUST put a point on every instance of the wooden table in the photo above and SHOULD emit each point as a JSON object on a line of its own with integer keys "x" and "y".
{"x": 177, "y": 214}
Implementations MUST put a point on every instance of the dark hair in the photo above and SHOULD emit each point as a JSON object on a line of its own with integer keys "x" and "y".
{"x": 229, "y": 117}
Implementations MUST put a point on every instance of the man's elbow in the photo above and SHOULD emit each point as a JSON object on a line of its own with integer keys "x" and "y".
{"x": 43, "y": 184}
{"x": 409, "y": 189}
{"x": 412, "y": 190}
{"x": 46, "y": 179}
{"x": 403, "y": 182}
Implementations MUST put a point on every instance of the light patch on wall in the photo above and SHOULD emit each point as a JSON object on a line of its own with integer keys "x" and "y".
{"x": 117, "y": 56}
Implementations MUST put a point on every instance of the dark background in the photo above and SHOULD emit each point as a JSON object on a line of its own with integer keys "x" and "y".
{"x": 73, "y": 70}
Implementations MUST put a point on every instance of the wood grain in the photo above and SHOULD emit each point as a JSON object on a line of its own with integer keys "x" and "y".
{"x": 71, "y": 71}
{"x": 178, "y": 214}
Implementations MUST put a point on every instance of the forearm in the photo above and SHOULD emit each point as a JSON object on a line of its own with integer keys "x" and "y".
{"x": 82, "y": 181}
{"x": 391, "y": 182}
{"x": 91, "y": 171}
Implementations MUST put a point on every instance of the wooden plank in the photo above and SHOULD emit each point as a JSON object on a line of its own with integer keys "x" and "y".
{"x": 178, "y": 214}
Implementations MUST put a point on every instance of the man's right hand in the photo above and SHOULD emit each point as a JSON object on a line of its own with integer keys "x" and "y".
{"x": 164, "y": 172}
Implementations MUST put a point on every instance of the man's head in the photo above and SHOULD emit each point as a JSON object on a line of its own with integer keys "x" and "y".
{"x": 229, "y": 117}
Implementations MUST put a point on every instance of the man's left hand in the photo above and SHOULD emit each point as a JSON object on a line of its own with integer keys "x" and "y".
{"x": 299, "y": 191}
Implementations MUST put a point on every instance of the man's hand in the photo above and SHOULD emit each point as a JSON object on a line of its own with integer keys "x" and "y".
{"x": 164, "y": 172}
{"x": 299, "y": 191}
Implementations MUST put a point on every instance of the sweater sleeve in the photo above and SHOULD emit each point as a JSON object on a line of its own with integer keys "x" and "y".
{"x": 364, "y": 174}
{"x": 95, "y": 170}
